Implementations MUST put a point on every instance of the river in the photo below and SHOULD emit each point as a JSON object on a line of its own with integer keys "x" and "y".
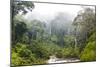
{"x": 54, "y": 59}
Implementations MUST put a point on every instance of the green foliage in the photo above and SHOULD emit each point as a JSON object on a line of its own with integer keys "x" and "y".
{"x": 16, "y": 7}
{"x": 43, "y": 49}
{"x": 21, "y": 55}
{"x": 54, "y": 38}
{"x": 36, "y": 25}
{"x": 36, "y": 53}
{"x": 69, "y": 41}
{"x": 88, "y": 27}
{"x": 68, "y": 53}
{"x": 19, "y": 30}
{"x": 89, "y": 53}
{"x": 85, "y": 26}
{"x": 15, "y": 58}
{"x": 33, "y": 44}
{"x": 20, "y": 6}
{"x": 76, "y": 52}
{"x": 25, "y": 39}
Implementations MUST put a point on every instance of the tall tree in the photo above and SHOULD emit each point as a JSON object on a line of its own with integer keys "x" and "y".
{"x": 16, "y": 7}
{"x": 84, "y": 24}
{"x": 24, "y": 6}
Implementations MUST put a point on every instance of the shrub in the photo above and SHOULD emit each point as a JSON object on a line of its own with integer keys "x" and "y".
{"x": 68, "y": 53}
{"x": 89, "y": 52}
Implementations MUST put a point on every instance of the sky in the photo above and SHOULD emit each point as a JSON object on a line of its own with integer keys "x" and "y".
{"x": 46, "y": 12}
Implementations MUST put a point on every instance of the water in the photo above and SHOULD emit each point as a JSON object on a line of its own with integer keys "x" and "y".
{"x": 53, "y": 59}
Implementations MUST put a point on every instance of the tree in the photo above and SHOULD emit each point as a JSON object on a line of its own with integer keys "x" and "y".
{"x": 20, "y": 29}
{"x": 89, "y": 52}
{"x": 84, "y": 24}
{"x": 35, "y": 30}
{"x": 69, "y": 41}
{"x": 18, "y": 6}
{"x": 60, "y": 26}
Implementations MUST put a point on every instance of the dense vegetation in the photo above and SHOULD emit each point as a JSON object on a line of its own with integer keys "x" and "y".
{"x": 33, "y": 42}
{"x": 89, "y": 52}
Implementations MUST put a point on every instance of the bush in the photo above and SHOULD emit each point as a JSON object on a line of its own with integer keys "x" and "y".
{"x": 69, "y": 41}
{"x": 68, "y": 53}
{"x": 15, "y": 59}
{"x": 89, "y": 53}
{"x": 21, "y": 55}
{"x": 25, "y": 53}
